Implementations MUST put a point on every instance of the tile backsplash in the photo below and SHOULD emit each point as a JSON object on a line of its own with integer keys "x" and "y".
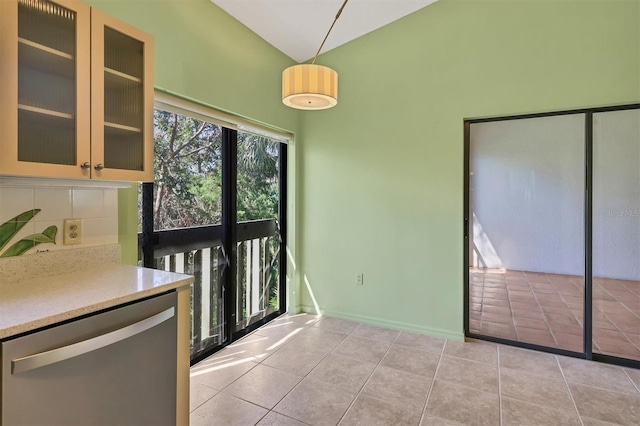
{"x": 97, "y": 207}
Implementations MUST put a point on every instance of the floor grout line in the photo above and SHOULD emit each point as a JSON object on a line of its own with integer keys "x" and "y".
{"x": 246, "y": 372}
{"x": 566, "y": 383}
{"x": 316, "y": 366}
{"x": 349, "y": 334}
{"x": 631, "y": 380}
{"x": 433, "y": 381}
{"x": 624, "y": 334}
{"x": 544, "y": 316}
{"x": 479, "y": 287}
{"x": 205, "y": 401}
{"x": 378, "y": 365}
{"x": 303, "y": 377}
{"x": 368, "y": 379}
{"x": 513, "y": 321}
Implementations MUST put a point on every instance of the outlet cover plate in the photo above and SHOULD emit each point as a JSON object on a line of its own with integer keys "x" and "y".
{"x": 72, "y": 231}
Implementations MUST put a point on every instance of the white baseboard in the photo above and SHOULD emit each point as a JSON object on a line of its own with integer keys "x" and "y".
{"x": 396, "y": 325}
{"x": 298, "y": 309}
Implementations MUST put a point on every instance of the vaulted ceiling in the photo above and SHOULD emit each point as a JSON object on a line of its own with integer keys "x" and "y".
{"x": 297, "y": 27}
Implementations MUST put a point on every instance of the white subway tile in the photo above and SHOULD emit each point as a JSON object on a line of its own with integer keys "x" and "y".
{"x": 14, "y": 201}
{"x": 97, "y": 207}
{"x": 100, "y": 231}
{"x": 88, "y": 203}
{"x": 110, "y": 203}
{"x": 55, "y": 203}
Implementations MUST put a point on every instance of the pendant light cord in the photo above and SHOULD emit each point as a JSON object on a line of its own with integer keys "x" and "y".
{"x": 329, "y": 32}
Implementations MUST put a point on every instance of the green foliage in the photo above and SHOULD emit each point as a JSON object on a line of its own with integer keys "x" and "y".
{"x": 30, "y": 241}
{"x": 10, "y": 228}
{"x": 188, "y": 173}
{"x": 188, "y": 185}
{"x": 257, "y": 178}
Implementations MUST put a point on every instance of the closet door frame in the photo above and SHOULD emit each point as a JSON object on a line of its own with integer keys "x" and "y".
{"x": 587, "y": 352}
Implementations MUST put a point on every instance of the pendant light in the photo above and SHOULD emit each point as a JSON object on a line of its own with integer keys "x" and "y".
{"x": 311, "y": 86}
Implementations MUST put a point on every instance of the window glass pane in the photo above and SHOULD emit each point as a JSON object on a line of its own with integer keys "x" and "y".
{"x": 187, "y": 193}
{"x": 526, "y": 215}
{"x": 616, "y": 233}
{"x": 257, "y": 177}
{"x": 188, "y": 172}
{"x": 258, "y": 248}
{"x": 187, "y": 212}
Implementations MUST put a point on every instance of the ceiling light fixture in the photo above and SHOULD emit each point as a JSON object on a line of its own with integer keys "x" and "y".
{"x": 311, "y": 86}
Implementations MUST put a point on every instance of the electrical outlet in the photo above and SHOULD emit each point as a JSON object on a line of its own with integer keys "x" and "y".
{"x": 72, "y": 231}
{"x": 359, "y": 279}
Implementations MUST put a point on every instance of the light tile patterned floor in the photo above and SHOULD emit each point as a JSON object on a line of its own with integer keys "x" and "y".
{"x": 547, "y": 309}
{"x": 301, "y": 370}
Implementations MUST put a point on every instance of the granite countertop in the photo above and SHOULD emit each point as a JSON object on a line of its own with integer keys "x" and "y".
{"x": 33, "y": 302}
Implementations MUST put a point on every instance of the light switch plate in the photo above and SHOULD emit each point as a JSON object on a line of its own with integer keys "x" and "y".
{"x": 72, "y": 231}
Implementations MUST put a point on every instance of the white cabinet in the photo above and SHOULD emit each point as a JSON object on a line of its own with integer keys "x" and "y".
{"x": 76, "y": 93}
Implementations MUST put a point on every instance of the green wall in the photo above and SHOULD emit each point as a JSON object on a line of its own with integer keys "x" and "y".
{"x": 203, "y": 53}
{"x": 376, "y": 182}
{"x": 382, "y": 173}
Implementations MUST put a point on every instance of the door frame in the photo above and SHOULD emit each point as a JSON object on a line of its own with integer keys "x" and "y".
{"x": 467, "y": 224}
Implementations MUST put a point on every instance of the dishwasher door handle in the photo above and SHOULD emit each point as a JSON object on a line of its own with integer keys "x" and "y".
{"x": 42, "y": 359}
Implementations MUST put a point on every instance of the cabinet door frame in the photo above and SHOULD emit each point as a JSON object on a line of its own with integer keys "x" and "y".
{"x": 9, "y": 163}
{"x": 99, "y": 21}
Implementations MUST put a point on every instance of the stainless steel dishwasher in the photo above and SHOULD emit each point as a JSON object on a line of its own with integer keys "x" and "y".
{"x": 114, "y": 368}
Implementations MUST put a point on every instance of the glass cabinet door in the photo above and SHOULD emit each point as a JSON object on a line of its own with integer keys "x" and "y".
{"x": 122, "y": 100}
{"x": 45, "y": 118}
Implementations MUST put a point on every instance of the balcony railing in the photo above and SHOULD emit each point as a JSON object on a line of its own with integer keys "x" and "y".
{"x": 198, "y": 251}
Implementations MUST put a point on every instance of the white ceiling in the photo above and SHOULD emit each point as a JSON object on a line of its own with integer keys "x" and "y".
{"x": 297, "y": 27}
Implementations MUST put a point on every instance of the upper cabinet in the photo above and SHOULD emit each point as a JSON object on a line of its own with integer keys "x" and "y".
{"x": 122, "y": 100}
{"x": 76, "y": 93}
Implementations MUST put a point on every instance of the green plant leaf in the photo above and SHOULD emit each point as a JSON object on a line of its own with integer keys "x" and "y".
{"x": 10, "y": 228}
{"x": 50, "y": 232}
{"x": 30, "y": 241}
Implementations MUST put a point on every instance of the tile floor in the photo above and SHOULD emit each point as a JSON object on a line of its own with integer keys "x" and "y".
{"x": 304, "y": 370}
{"x": 547, "y": 309}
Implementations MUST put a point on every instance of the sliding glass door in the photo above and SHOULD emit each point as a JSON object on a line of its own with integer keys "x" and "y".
{"x": 552, "y": 232}
{"x": 258, "y": 241}
{"x": 526, "y": 236}
{"x": 182, "y": 216}
{"x": 616, "y": 233}
{"x": 217, "y": 211}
